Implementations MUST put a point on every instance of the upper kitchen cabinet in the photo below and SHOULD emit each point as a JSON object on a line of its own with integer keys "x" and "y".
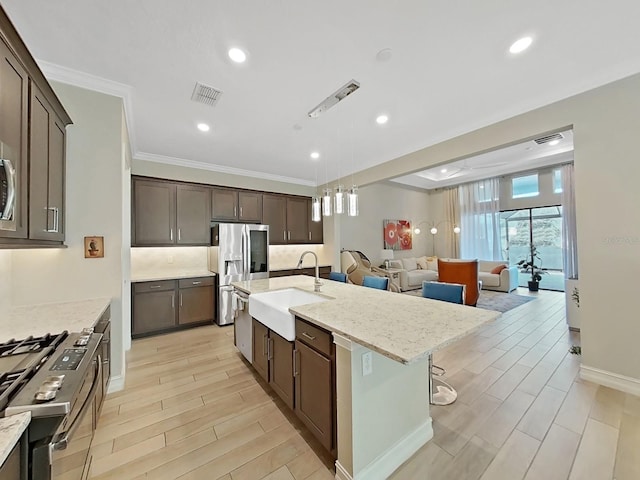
{"x": 47, "y": 166}
{"x": 32, "y": 149}
{"x": 236, "y": 205}
{"x": 168, "y": 213}
{"x": 14, "y": 98}
{"x": 289, "y": 220}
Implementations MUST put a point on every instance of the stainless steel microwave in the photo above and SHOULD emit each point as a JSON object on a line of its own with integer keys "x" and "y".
{"x": 8, "y": 185}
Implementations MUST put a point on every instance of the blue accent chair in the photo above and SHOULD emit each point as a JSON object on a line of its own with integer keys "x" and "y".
{"x": 447, "y": 292}
{"x": 381, "y": 283}
{"x": 338, "y": 276}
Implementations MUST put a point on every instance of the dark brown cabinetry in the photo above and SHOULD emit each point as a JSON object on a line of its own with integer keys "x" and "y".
{"x": 311, "y": 271}
{"x": 46, "y": 173}
{"x": 314, "y": 373}
{"x": 32, "y": 139}
{"x": 236, "y": 205}
{"x": 272, "y": 359}
{"x": 289, "y": 220}
{"x": 168, "y": 213}
{"x": 14, "y": 97}
{"x": 169, "y": 304}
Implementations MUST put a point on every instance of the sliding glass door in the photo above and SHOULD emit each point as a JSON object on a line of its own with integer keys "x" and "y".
{"x": 542, "y": 227}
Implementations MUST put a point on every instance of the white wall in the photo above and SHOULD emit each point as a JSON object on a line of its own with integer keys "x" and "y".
{"x": 94, "y": 196}
{"x": 604, "y": 122}
{"x": 385, "y": 201}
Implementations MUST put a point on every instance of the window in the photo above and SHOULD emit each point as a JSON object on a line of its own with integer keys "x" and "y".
{"x": 557, "y": 181}
{"x": 527, "y": 186}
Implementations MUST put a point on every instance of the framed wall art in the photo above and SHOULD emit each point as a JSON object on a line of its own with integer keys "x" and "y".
{"x": 397, "y": 234}
{"x": 93, "y": 247}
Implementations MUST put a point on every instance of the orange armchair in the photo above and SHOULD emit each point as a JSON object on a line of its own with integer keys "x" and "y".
{"x": 464, "y": 272}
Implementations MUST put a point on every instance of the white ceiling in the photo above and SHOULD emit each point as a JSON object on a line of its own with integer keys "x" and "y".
{"x": 515, "y": 158}
{"x": 449, "y": 73}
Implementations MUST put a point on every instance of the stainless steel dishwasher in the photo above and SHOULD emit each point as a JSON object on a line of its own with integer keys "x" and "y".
{"x": 243, "y": 332}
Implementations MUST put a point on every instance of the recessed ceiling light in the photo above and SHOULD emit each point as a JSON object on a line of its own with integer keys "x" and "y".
{"x": 315, "y": 155}
{"x": 382, "y": 119}
{"x": 520, "y": 45}
{"x": 203, "y": 127}
{"x": 554, "y": 142}
{"x": 237, "y": 55}
{"x": 444, "y": 170}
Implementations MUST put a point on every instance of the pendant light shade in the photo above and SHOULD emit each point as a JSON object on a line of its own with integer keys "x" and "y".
{"x": 339, "y": 200}
{"x": 352, "y": 202}
{"x": 316, "y": 209}
{"x": 326, "y": 202}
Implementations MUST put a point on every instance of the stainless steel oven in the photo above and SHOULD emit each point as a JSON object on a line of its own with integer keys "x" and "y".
{"x": 63, "y": 398}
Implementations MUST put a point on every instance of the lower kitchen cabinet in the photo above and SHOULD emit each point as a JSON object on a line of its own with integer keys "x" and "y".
{"x": 314, "y": 373}
{"x": 273, "y": 360}
{"x": 169, "y": 304}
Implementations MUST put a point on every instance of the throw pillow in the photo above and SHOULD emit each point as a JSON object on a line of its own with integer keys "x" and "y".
{"x": 409, "y": 263}
{"x": 395, "y": 264}
{"x": 498, "y": 269}
{"x": 432, "y": 263}
{"x": 422, "y": 263}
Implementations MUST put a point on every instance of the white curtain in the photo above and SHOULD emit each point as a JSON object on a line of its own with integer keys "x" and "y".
{"x": 569, "y": 230}
{"x": 452, "y": 219}
{"x": 480, "y": 220}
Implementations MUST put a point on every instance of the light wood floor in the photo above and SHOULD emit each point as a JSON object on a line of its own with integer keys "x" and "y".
{"x": 192, "y": 409}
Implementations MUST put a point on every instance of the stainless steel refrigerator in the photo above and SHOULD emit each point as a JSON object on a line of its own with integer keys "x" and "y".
{"x": 239, "y": 252}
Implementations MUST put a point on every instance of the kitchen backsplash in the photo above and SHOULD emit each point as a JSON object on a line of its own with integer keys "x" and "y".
{"x": 5, "y": 273}
{"x": 146, "y": 260}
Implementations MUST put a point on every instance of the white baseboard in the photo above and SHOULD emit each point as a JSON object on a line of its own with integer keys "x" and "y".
{"x": 609, "y": 379}
{"x": 116, "y": 383}
{"x": 341, "y": 473}
{"x": 387, "y": 463}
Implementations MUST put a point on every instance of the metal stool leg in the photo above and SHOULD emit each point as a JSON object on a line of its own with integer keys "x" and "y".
{"x": 440, "y": 392}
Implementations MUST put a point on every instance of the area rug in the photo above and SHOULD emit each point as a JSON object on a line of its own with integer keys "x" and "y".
{"x": 490, "y": 300}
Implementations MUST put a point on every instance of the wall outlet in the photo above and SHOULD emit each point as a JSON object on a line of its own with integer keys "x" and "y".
{"x": 169, "y": 258}
{"x": 367, "y": 363}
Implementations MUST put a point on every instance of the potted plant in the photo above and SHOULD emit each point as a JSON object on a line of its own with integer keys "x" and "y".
{"x": 528, "y": 265}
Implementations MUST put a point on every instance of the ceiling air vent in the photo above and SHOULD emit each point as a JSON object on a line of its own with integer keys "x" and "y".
{"x": 342, "y": 93}
{"x": 205, "y": 94}
{"x": 549, "y": 138}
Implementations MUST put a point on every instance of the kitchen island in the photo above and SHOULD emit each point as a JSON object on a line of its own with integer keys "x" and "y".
{"x": 382, "y": 414}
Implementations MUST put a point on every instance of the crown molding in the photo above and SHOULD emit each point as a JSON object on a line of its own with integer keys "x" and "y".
{"x": 80, "y": 79}
{"x": 181, "y": 162}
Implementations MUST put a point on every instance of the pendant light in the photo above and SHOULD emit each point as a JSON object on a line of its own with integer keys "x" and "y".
{"x": 326, "y": 202}
{"x": 352, "y": 202}
{"x": 316, "y": 209}
{"x": 339, "y": 200}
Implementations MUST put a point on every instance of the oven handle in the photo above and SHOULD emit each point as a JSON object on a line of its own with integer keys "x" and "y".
{"x": 64, "y": 441}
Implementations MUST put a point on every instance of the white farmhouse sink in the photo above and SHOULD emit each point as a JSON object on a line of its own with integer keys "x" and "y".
{"x": 272, "y": 309}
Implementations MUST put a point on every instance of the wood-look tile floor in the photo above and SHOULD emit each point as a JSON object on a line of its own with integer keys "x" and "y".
{"x": 193, "y": 409}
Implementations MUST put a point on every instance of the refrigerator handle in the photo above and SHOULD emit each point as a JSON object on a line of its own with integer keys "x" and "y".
{"x": 245, "y": 254}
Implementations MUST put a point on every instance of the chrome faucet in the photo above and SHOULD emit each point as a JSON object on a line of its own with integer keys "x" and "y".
{"x": 316, "y": 283}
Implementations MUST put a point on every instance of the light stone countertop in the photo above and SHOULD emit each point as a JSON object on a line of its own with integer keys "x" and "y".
{"x": 402, "y": 327}
{"x": 36, "y": 320}
{"x": 169, "y": 275}
{"x": 11, "y": 429}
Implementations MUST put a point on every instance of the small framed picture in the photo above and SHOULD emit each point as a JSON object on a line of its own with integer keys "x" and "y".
{"x": 93, "y": 247}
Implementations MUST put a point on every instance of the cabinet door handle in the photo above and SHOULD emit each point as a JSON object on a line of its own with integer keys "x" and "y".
{"x": 306, "y": 335}
{"x": 173, "y": 301}
{"x": 171, "y": 234}
{"x": 56, "y": 220}
{"x": 309, "y": 236}
{"x": 295, "y": 362}
{"x": 284, "y": 235}
{"x": 181, "y": 300}
{"x": 240, "y": 212}
{"x": 289, "y": 235}
{"x": 155, "y": 286}
{"x": 235, "y": 211}
{"x": 196, "y": 283}
{"x": 179, "y": 234}
{"x": 270, "y": 349}
{"x": 265, "y": 346}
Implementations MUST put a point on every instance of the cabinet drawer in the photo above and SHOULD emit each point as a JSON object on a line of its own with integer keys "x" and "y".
{"x": 313, "y": 336}
{"x": 160, "y": 285}
{"x": 195, "y": 282}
